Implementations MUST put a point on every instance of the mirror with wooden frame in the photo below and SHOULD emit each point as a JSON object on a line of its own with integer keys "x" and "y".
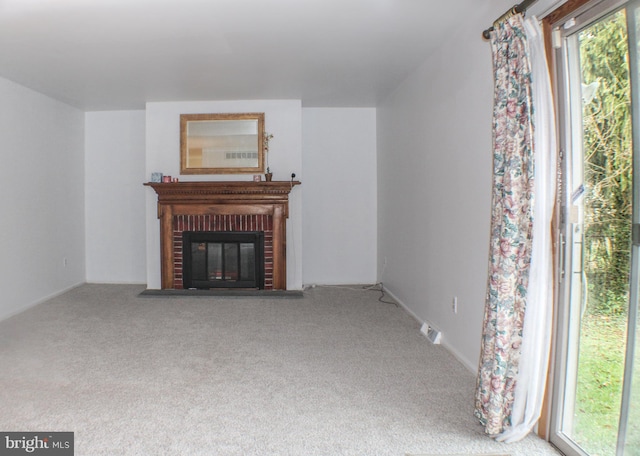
{"x": 222, "y": 143}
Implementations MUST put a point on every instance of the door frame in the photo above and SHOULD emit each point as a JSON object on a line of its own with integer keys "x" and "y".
{"x": 553, "y": 412}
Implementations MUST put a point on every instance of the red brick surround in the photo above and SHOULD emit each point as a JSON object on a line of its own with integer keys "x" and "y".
{"x": 228, "y": 223}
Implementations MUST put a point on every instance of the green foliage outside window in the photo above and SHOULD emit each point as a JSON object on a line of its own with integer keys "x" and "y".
{"x": 608, "y": 165}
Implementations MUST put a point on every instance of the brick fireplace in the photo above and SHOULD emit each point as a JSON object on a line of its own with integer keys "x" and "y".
{"x": 223, "y": 207}
{"x": 224, "y": 223}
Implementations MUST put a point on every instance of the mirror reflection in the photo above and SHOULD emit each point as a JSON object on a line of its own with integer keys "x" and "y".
{"x": 221, "y": 143}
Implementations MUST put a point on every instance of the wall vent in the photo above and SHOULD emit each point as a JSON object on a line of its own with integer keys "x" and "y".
{"x": 431, "y": 333}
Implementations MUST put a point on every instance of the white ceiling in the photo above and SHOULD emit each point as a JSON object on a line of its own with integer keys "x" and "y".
{"x": 119, "y": 54}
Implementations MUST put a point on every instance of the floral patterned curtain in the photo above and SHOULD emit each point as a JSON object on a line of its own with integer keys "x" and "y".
{"x": 511, "y": 227}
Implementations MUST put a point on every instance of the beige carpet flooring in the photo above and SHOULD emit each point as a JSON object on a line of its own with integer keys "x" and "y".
{"x": 333, "y": 373}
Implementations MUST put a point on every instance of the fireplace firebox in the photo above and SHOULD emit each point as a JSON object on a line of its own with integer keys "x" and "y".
{"x": 214, "y": 259}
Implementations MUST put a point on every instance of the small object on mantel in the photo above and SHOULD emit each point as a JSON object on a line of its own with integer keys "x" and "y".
{"x": 156, "y": 177}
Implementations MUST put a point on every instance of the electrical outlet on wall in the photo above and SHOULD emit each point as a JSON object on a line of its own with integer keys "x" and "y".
{"x": 454, "y": 305}
{"x": 384, "y": 268}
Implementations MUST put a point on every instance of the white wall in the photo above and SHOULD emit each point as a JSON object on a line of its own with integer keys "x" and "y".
{"x": 115, "y": 198}
{"x": 283, "y": 119}
{"x": 339, "y": 213}
{"x": 434, "y": 184}
{"x": 41, "y": 198}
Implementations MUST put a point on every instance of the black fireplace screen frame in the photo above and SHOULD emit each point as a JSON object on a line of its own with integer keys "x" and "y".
{"x": 224, "y": 237}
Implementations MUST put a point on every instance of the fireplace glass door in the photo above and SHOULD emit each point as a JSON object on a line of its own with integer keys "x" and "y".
{"x": 223, "y": 260}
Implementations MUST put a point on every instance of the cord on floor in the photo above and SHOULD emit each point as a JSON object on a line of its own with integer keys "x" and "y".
{"x": 379, "y": 287}
{"x": 375, "y": 287}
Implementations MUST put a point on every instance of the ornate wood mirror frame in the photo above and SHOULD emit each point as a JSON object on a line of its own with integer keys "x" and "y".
{"x": 222, "y": 143}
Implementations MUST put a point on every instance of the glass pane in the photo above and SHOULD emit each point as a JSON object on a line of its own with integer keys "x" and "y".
{"x": 632, "y": 437}
{"x": 601, "y": 249}
{"x": 198, "y": 261}
{"x": 632, "y": 443}
{"x": 247, "y": 262}
{"x": 215, "y": 261}
{"x": 231, "y": 261}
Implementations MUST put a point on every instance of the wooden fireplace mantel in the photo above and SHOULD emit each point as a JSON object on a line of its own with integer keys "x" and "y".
{"x": 223, "y": 198}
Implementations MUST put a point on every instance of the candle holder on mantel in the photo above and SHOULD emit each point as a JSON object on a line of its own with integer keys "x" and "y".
{"x": 265, "y": 147}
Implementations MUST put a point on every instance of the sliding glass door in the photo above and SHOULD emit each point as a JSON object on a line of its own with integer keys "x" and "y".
{"x": 596, "y": 409}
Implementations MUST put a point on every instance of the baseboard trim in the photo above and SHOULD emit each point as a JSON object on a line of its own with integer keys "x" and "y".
{"x": 39, "y": 301}
{"x": 445, "y": 343}
{"x": 473, "y": 369}
{"x": 115, "y": 282}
